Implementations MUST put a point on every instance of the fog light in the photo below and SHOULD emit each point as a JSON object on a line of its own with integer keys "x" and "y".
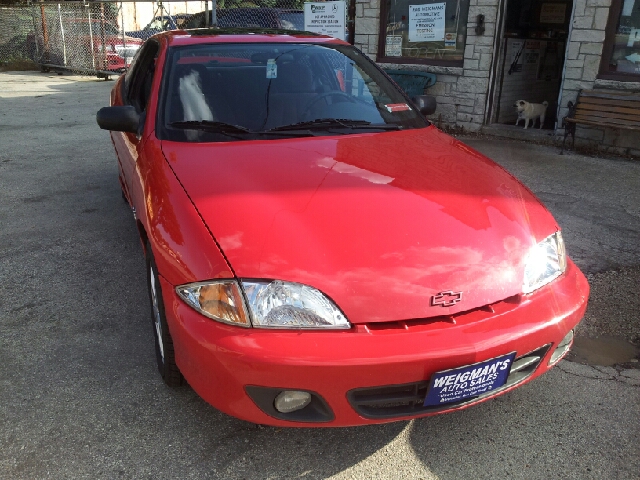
{"x": 562, "y": 348}
{"x": 291, "y": 400}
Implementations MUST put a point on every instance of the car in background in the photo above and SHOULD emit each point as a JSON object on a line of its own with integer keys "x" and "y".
{"x": 159, "y": 24}
{"x": 279, "y": 18}
{"x": 81, "y": 46}
{"x": 318, "y": 253}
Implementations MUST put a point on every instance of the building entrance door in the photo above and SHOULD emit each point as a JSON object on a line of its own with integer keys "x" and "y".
{"x": 532, "y": 55}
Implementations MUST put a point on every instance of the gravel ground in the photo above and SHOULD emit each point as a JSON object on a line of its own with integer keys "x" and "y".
{"x": 614, "y": 306}
{"x": 596, "y": 201}
{"x": 80, "y": 396}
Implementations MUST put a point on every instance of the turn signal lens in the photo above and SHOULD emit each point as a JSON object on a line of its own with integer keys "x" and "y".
{"x": 219, "y": 300}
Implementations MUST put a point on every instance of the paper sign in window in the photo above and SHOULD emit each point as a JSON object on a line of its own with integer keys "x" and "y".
{"x": 426, "y": 22}
{"x": 393, "y": 46}
{"x": 272, "y": 68}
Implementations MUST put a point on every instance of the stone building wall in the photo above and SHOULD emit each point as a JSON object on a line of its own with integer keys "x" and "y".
{"x": 461, "y": 92}
{"x": 584, "y": 53}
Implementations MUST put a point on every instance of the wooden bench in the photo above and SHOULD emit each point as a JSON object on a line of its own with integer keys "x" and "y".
{"x": 412, "y": 82}
{"x": 602, "y": 108}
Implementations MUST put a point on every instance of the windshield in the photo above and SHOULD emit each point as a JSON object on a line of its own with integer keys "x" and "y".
{"x": 223, "y": 92}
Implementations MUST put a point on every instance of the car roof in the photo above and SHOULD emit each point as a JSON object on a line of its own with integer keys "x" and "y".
{"x": 244, "y": 35}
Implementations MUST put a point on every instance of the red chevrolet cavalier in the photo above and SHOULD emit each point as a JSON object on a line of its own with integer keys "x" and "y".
{"x": 318, "y": 253}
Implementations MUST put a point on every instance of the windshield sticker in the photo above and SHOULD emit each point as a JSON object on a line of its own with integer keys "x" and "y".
{"x": 272, "y": 68}
{"x": 396, "y": 107}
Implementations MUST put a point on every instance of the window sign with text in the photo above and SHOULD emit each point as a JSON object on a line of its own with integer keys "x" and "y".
{"x": 553, "y": 13}
{"x": 426, "y": 22}
{"x": 430, "y": 32}
{"x": 394, "y": 46}
{"x": 326, "y": 18}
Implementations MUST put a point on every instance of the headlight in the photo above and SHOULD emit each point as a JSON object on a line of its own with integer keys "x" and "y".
{"x": 271, "y": 304}
{"x": 220, "y": 300}
{"x": 277, "y": 304}
{"x": 545, "y": 262}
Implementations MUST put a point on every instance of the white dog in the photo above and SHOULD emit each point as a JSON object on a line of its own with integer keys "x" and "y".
{"x": 531, "y": 111}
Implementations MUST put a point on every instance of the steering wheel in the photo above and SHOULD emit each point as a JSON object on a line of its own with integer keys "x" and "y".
{"x": 333, "y": 93}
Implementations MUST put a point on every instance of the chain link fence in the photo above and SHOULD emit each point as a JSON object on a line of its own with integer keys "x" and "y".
{"x": 102, "y": 37}
{"x": 84, "y": 37}
{"x": 16, "y": 23}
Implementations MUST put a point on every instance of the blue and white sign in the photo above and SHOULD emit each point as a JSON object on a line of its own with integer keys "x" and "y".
{"x": 326, "y": 18}
{"x": 470, "y": 381}
{"x": 426, "y": 22}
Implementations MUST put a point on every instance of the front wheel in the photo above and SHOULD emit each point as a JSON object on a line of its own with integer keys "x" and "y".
{"x": 165, "y": 356}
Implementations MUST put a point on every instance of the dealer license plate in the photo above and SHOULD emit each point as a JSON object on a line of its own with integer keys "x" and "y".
{"x": 469, "y": 381}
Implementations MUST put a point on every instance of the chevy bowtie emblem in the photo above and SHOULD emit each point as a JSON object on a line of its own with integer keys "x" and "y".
{"x": 446, "y": 299}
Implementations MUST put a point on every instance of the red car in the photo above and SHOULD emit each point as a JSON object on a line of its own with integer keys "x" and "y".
{"x": 79, "y": 46}
{"x": 318, "y": 253}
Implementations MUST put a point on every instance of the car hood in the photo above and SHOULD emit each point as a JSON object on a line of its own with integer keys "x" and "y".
{"x": 379, "y": 222}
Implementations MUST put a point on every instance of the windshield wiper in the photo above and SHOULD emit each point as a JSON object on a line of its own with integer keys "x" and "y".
{"x": 334, "y": 123}
{"x": 210, "y": 126}
{"x": 228, "y": 129}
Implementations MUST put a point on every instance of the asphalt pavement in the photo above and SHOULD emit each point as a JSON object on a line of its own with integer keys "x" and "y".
{"x": 80, "y": 396}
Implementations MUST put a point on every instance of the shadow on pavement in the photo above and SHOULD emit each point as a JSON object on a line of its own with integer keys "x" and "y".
{"x": 79, "y": 392}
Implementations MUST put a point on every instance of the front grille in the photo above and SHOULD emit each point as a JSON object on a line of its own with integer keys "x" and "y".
{"x": 405, "y": 400}
{"x": 464, "y": 317}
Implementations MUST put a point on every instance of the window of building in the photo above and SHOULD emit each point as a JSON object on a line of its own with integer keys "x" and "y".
{"x": 621, "y": 54}
{"x": 418, "y": 31}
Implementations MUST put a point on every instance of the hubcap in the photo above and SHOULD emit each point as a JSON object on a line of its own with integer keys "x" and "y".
{"x": 156, "y": 311}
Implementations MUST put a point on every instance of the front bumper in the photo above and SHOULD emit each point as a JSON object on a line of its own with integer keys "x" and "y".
{"x": 220, "y": 361}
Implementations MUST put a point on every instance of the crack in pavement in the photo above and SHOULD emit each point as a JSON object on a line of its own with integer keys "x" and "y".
{"x": 595, "y": 372}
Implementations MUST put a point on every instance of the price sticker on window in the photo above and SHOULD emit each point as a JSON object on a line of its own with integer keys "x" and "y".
{"x": 272, "y": 68}
{"x": 396, "y": 107}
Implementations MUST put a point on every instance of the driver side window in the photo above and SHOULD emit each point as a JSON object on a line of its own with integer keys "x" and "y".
{"x": 142, "y": 78}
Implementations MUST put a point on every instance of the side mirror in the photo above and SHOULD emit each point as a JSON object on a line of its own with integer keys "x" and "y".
{"x": 119, "y": 119}
{"x": 426, "y": 104}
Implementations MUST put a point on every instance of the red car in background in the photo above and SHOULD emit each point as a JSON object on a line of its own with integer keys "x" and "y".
{"x": 318, "y": 253}
{"x": 79, "y": 44}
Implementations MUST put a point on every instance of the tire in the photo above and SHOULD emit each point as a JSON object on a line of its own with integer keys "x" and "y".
{"x": 165, "y": 355}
